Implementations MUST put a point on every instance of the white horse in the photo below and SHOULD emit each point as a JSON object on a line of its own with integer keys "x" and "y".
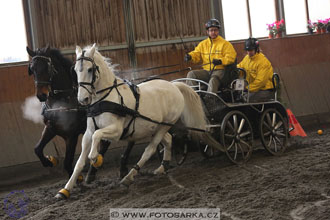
{"x": 160, "y": 101}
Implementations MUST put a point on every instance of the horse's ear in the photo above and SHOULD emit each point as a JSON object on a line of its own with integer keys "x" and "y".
{"x": 30, "y": 52}
{"x": 78, "y": 50}
{"x": 93, "y": 50}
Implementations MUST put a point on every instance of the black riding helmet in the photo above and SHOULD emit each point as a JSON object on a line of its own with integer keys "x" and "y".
{"x": 252, "y": 44}
{"x": 212, "y": 23}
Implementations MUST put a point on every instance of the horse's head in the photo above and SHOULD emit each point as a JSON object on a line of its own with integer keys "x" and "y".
{"x": 42, "y": 69}
{"x": 87, "y": 74}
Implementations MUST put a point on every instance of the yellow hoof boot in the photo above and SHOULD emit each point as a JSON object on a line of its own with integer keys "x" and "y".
{"x": 53, "y": 160}
{"x": 98, "y": 162}
{"x": 80, "y": 179}
{"x": 63, "y": 193}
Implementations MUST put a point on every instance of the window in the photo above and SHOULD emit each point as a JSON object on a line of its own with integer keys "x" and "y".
{"x": 295, "y": 16}
{"x": 13, "y": 37}
{"x": 262, "y": 12}
{"x": 235, "y": 19}
{"x": 318, "y": 10}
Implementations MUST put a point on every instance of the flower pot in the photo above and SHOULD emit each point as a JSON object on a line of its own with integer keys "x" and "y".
{"x": 318, "y": 30}
{"x": 279, "y": 35}
{"x": 310, "y": 31}
{"x": 323, "y": 30}
{"x": 270, "y": 36}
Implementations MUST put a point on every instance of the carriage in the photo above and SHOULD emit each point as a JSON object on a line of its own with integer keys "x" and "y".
{"x": 115, "y": 109}
{"x": 236, "y": 123}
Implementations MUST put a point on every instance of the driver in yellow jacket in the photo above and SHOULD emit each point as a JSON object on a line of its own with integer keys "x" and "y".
{"x": 259, "y": 72}
{"x": 215, "y": 53}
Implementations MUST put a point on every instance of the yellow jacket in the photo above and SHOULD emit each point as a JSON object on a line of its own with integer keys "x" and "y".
{"x": 259, "y": 72}
{"x": 209, "y": 49}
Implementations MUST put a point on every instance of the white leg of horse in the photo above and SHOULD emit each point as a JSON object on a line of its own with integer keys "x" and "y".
{"x": 167, "y": 142}
{"x": 86, "y": 143}
{"x": 111, "y": 132}
{"x": 148, "y": 152}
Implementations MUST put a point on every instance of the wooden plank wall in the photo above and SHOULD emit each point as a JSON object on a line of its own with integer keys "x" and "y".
{"x": 169, "y": 19}
{"x": 63, "y": 24}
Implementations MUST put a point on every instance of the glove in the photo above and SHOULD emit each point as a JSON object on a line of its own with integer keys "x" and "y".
{"x": 187, "y": 57}
{"x": 216, "y": 62}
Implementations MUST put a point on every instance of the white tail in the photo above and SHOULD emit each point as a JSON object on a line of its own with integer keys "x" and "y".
{"x": 193, "y": 114}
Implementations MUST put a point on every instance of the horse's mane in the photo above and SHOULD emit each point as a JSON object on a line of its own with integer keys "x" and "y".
{"x": 56, "y": 54}
{"x": 107, "y": 60}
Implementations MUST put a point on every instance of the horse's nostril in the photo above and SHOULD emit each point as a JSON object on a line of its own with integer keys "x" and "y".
{"x": 42, "y": 97}
{"x": 84, "y": 101}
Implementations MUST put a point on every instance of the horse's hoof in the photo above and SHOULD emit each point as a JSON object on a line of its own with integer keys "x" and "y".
{"x": 125, "y": 182}
{"x": 80, "y": 179}
{"x": 99, "y": 161}
{"x": 53, "y": 160}
{"x": 160, "y": 170}
{"x": 62, "y": 194}
{"x": 90, "y": 179}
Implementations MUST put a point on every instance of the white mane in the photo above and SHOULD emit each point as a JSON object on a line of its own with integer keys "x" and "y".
{"x": 107, "y": 60}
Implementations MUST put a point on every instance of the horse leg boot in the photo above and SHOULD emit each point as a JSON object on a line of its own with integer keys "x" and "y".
{"x": 46, "y": 136}
{"x": 124, "y": 158}
{"x": 91, "y": 175}
{"x": 86, "y": 146}
{"x": 167, "y": 142}
{"x": 148, "y": 152}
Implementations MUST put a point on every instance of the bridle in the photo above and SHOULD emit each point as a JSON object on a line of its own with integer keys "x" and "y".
{"x": 94, "y": 69}
{"x": 51, "y": 70}
{"x": 91, "y": 84}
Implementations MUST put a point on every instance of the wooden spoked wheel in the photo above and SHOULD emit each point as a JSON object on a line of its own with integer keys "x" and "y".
{"x": 273, "y": 131}
{"x": 237, "y": 137}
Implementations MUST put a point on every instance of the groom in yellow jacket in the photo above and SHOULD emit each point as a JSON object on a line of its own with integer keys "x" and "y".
{"x": 259, "y": 72}
{"x": 215, "y": 53}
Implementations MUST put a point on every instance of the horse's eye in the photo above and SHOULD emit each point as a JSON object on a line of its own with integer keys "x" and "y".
{"x": 90, "y": 70}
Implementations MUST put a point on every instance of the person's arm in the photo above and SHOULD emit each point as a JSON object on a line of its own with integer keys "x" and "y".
{"x": 229, "y": 54}
{"x": 196, "y": 54}
{"x": 261, "y": 79}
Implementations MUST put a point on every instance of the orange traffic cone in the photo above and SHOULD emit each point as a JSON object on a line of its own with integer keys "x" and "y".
{"x": 297, "y": 129}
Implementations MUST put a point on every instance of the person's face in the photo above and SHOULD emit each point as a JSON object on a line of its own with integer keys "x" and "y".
{"x": 251, "y": 53}
{"x": 213, "y": 32}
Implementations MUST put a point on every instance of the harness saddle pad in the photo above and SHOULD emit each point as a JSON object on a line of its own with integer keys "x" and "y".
{"x": 112, "y": 107}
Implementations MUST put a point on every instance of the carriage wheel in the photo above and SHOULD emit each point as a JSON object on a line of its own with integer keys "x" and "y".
{"x": 179, "y": 152}
{"x": 273, "y": 131}
{"x": 237, "y": 137}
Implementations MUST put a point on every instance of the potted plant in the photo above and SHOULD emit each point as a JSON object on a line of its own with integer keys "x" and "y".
{"x": 270, "y": 28}
{"x": 327, "y": 25}
{"x": 310, "y": 27}
{"x": 320, "y": 26}
{"x": 279, "y": 27}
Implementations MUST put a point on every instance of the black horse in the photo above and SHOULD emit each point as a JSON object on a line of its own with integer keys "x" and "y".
{"x": 56, "y": 87}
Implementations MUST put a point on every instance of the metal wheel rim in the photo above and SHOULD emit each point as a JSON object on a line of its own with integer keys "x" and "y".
{"x": 273, "y": 132}
{"x": 237, "y": 137}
